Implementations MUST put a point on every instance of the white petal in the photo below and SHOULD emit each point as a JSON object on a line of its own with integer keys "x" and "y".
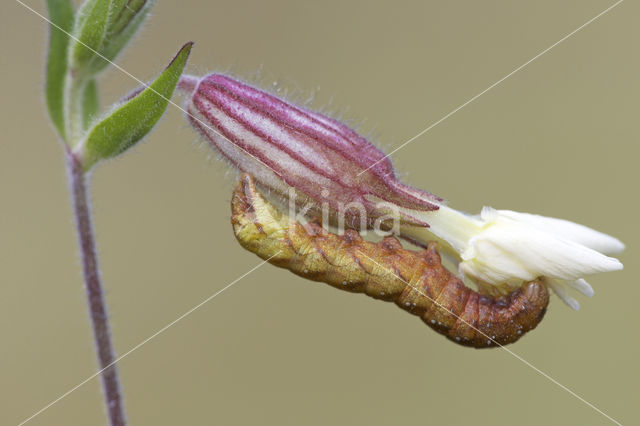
{"x": 580, "y": 234}
{"x": 516, "y": 248}
{"x": 582, "y": 286}
{"x": 560, "y": 290}
{"x": 489, "y": 260}
{"x": 501, "y": 247}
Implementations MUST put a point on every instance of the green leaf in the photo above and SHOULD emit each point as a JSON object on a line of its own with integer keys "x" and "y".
{"x": 91, "y": 27}
{"x": 123, "y": 12}
{"x": 130, "y": 122}
{"x": 90, "y": 103}
{"x": 126, "y": 18}
{"x": 61, "y": 16}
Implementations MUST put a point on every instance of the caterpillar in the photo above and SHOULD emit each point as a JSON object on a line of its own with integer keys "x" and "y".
{"x": 416, "y": 281}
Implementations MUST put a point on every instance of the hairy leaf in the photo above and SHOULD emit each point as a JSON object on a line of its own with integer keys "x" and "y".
{"x": 61, "y": 16}
{"x": 90, "y": 30}
{"x": 131, "y": 121}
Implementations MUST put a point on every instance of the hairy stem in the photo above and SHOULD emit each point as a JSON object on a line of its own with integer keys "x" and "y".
{"x": 75, "y": 86}
{"x": 188, "y": 83}
{"x": 93, "y": 286}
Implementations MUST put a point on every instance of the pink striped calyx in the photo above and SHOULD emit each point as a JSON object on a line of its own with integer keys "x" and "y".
{"x": 286, "y": 146}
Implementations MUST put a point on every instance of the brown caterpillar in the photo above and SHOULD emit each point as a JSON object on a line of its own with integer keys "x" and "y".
{"x": 416, "y": 281}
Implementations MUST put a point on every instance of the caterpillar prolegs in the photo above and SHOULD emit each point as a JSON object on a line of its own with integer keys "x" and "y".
{"x": 416, "y": 281}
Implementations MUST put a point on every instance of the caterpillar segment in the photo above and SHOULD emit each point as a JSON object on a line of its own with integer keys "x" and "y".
{"x": 416, "y": 281}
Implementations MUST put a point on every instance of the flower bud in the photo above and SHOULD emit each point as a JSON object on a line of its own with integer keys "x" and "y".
{"x": 282, "y": 145}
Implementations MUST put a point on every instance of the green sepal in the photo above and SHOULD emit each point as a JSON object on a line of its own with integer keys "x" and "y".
{"x": 61, "y": 16}
{"x": 123, "y": 12}
{"x": 125, "y": 20}
{"x": 132, "y": 120}
{"x": 90, "y": 103}
{"x": 90, "y": 31}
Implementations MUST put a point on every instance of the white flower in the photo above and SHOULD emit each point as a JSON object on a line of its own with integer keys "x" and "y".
{"x": 568, "y": 230}
{"x": 502, "y": 248}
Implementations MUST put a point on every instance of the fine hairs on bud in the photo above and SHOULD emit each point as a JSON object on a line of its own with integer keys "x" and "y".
{"x": 283, "y": 146}
{"x": 344, "y": 211}
{"x": 287, "y": 89}
{"x": 322, "y": 168}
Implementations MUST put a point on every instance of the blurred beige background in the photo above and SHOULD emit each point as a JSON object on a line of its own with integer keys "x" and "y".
{"x": 558, "y": 138}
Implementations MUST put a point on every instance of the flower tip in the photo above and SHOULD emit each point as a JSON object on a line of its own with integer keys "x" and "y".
{"x": 616, "y": 265}
{"x": 601, "y": 263}
{"x": 582, "y": 286}
{"x": 573, "y": 304}
{"x": 615, "y": 245}
{"x": 602, "y": 242}
{"x": 559, "y": 288}
{"x": 588, "y": 237}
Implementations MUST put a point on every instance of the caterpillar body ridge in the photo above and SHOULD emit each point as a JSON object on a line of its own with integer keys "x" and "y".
{"x": 416, "y": 281}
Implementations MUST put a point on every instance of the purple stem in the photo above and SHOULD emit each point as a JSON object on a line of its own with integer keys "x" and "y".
{"x": 188, "y": 83}
{"x": 95, "y": 297}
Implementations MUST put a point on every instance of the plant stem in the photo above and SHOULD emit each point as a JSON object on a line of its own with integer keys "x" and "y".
{"x": 93, "y": 286}
{"x": 188, "y": 83}
{"x": 75, "y": 86}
